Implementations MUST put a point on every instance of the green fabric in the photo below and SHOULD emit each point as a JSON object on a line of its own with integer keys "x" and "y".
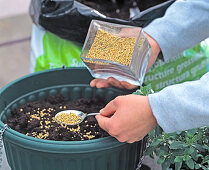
{"x": 190, "y": 65}
{"x": 57, "y": 52}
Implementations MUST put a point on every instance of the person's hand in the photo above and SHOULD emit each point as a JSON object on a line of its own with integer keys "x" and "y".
{"x": 112, "y": 82}
{"x": 131, "y": 119}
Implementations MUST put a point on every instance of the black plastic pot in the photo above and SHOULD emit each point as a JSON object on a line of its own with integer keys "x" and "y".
{"x": 28, "y": 153}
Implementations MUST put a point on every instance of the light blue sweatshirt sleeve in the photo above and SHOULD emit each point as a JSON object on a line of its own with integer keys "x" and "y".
{"x": 185, "y": 24}
{"x": 183, "y": 106}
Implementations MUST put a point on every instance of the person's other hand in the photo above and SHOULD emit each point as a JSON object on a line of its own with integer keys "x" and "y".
{"x": 131, "y": 119}
{"x": 112, "y": 82}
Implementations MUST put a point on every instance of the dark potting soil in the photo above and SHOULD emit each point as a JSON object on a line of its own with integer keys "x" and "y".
{"x": 36, "y": 119}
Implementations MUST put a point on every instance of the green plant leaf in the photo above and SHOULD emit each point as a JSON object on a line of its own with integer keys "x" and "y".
{"x": 161, "y": 160}
{"x": 178, "y": 159}
{"x": 138, "y": 92}
{"x": 199, "y": 147}
{"x": 178, "y": 152}
{"x": 186, "y": 157}
{"x": 179, "y": 132}
{"x": 171, "y": 157}
{"x": 206, "y": 140}
{"x": 165, "y": 148}
{"x": 158, "y": 131}
{"x": 197, "y": 137}
{"x": 152, "y": 134}
{"x": 166, "y": 164}
{"x": 191, "y": 132}
{"x": 188, "y": 139}
{"x": 205, "y": 147}
{"x": 152, "y": 155}
{"x": 177, "y": 145}
{"x": 178, "y": 165}
{"x": 190, "y": 163}
{"x": 144, "y": 90}
{"x": 156, "y": 142}
{"x": 205, "y": 159}
{"x": 198, "y": 166}
{"x": 189, "y": 151}
{"x": 208, "y": 163}
{"x": 149, "y": 150}
{"x": 161, "y": 152}
{"x": 195, "y": 155}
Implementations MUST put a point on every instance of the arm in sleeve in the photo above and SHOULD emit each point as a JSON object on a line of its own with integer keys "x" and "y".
{"x": 185, "y": 24}
{"x": 183, "y": 106}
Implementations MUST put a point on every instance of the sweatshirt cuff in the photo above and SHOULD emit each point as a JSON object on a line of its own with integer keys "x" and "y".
{"x": 157, "y": 32}
{"x": 165, "y": 120}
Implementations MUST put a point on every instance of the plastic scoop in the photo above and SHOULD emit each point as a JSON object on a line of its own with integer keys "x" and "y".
{"x": 72, "y": 117}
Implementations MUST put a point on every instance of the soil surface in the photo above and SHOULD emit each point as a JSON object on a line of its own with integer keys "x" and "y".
{"x": 36, "y": 119}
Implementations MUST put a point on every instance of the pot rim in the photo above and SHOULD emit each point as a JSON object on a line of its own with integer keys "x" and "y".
{"x": 38, "y": 73}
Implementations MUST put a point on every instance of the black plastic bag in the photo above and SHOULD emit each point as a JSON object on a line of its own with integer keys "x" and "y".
{"x": 70, "y": 19}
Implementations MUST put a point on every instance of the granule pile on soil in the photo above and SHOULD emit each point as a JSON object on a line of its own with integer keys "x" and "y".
{"x": 36, "y": 119}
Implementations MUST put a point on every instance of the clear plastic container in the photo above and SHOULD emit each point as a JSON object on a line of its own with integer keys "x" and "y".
{"x": 114, "y": 50}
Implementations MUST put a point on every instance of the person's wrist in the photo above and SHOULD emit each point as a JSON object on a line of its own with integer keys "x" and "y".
{"x": 149, "y": 109}
{"x": 155, "y": 50}
{"x": 154, "y": 45}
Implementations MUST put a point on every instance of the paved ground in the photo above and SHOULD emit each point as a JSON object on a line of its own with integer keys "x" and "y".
{"x": 10, "y": 8}
{"x": 14, "y": 48}
{"x": 15, "y": 34}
